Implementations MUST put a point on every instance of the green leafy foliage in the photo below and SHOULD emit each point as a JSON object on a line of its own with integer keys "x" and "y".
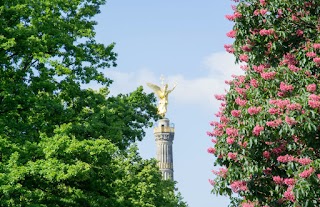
{"x": 60, "y": 144}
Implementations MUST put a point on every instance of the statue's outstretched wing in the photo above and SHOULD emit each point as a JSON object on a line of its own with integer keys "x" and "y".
{"x": 155, "y": 88}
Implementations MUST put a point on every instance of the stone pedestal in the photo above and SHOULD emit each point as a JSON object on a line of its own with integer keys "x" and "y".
{"x": 164, "y": 134}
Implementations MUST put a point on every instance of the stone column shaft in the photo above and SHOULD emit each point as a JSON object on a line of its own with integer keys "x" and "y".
{"x": 164, "y": 134}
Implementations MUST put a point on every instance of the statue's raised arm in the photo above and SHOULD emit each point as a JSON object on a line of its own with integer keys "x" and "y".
{"x": 162, "y": 94}
{"x": 174, "y": 86}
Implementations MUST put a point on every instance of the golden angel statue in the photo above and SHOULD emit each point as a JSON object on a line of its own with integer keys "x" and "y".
{"x": 162, "y": 93}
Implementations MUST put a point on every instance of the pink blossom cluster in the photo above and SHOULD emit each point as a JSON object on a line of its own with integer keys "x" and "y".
{"x": 257, "y": 129}
{"x": 314, "y": 101}
{"x": 266, "y": 32}
{"x": 314, "y": 97}
{"x": 289, "y": 195}
{"x": 316, "y": 60}
{"x": 218, "y": 129}
{"x": 288, "y": 59}
{"x": 299, "y": 33}
{"x": 224, "y": 119}
{"x": 230, "y": 140}
{"x": 210, "y": 134}
{"x": 211, "y": 150}
{"x": 214, "y": 123}
{"x": 274, "y": 123}
{"x": 254, "y": 83}
{"x": 220, "y": 112}
{"x": 304, "y": 161}
{"x": 244, "y": 58}
{"x": 216, "y": 132}
{"x": 295, "y": 138}
{"x": 268, "y": 75}
{"x": 286, "y": 158}
{"x": 294, "y": 68}
{"x": 280, "y": 12}
{"x": 240, "y": 102}
{"x": 256, "y": 12}
{"x": 220, "y": 97}
{"x": 280, "y": 181}
{"x": 238, "y": 185}
{"x": 232, "y": 131}
{"x": 311, "y": 54}
{"x": 280, "y": 103}
{"x": 228, "y": 82}
{"x": 229, "y": 48}
{"x": 294, "y": 106}
{"x": 306, "y": 173}
{"x": 312, "y": 87}
{"x": 266, "y": 154}
{"x": 316, "y": 45}
{"x": 241, "y": 91}
{"x": 212, "y": 182}
{"x": 289, "y": 181}
{"x": 260, "y": 11}
{"x": 269, "y": 143}
{"x": 236, "y": 113}
{"x": 308, "y": 4}
{"x": 286, "y": 87}
{"x": 223, "y": 122}
{"x": 232, "y": 155}
{"x": 274, "y": 111}
{"x": 247, "y": 204}
{"x": 244, "y": 67}
{"x": 263, "y": 11}
{"x": 290, "y": 121}
{"x": 263, "y": 2}
{"x": 222, "y": 172}
{"x": 278, "y": 150}
{"x": 277, "y": 180}
{"x": 239, "y": 79}
{"x": 243, "y": 144}
{"x": 294, "y": 18}
{"x": 259, "y": 68}
{"x": 234, "y": 16}
{"x": 308, "y": 73}
{"x": 246, "y": 48}
{"x": 232, "y": 34}
{"x": 254, "y": 110}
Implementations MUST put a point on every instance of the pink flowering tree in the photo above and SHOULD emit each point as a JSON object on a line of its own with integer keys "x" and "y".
{"x": 267, "y": 138}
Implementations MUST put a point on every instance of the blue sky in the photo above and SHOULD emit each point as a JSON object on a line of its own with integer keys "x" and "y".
{"x": 183, "y": 40}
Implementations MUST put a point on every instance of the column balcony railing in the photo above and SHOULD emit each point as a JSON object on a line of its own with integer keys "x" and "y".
{"x": 164, "y": 129}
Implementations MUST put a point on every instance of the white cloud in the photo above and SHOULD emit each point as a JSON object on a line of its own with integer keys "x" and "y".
{"x": 221, "y": 64}
{"x": 198, "y": 91}
{"x": 126, "y": 82}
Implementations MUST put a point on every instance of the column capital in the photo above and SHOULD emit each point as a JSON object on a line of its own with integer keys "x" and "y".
{"x": 164, "y": 137}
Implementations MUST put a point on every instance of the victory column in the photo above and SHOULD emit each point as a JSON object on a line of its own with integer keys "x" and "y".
{"x": 164, "y": 132}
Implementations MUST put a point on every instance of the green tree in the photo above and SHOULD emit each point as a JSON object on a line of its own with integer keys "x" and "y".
{"x": 60, "y": 144}
{"x": 267, "y": 138}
